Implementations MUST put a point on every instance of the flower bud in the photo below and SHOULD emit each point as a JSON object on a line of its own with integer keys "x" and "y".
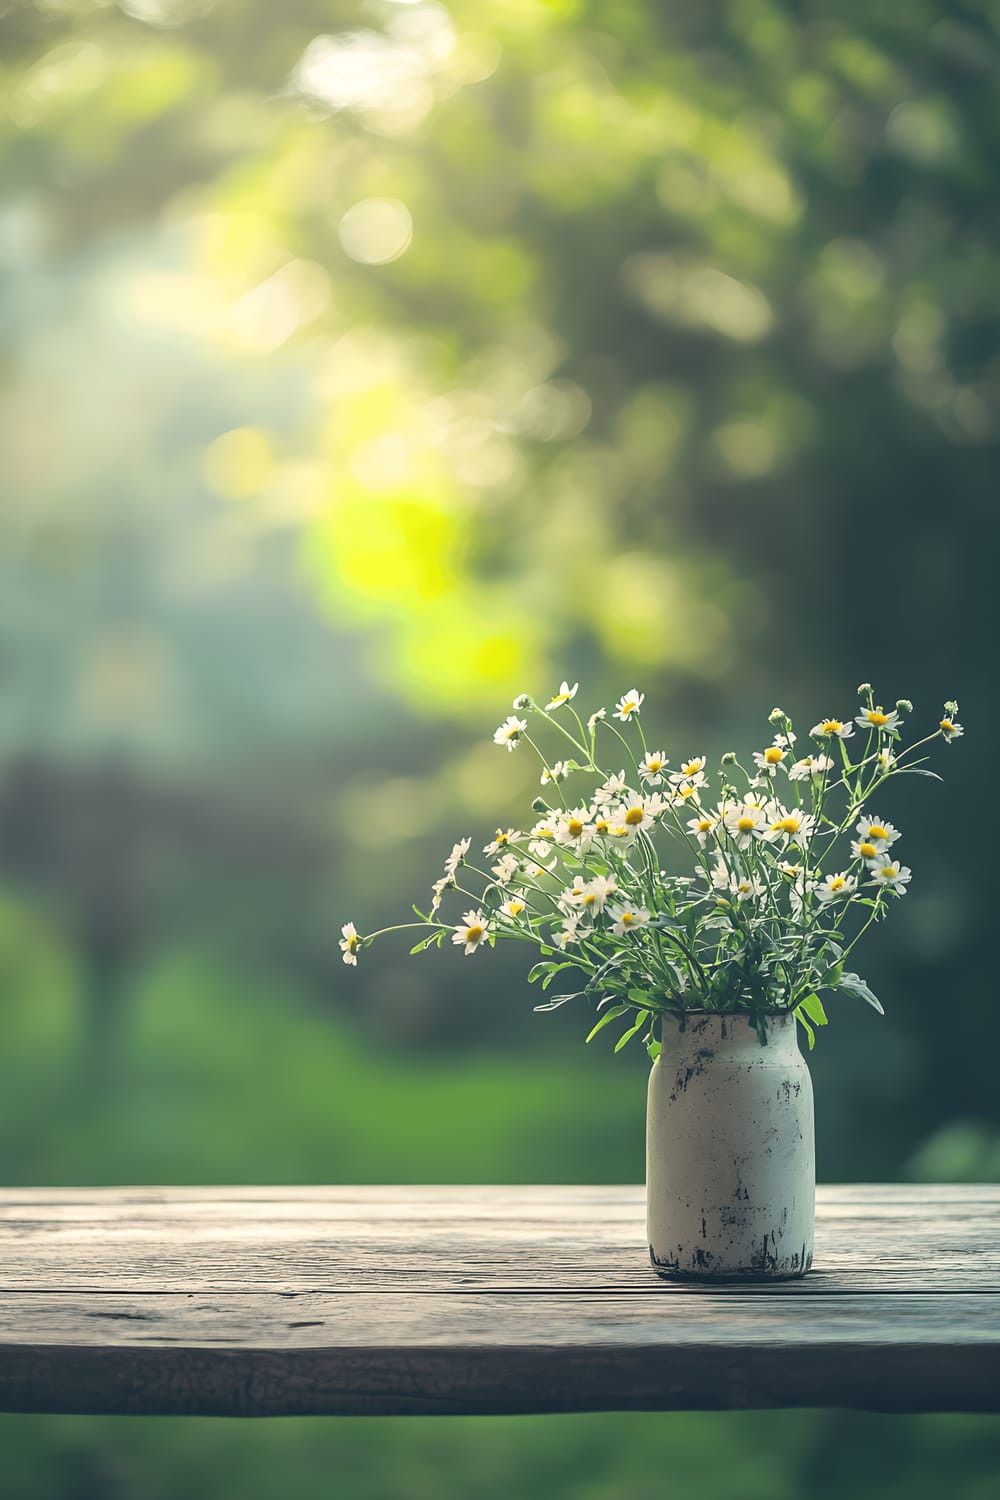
{"x": 522, "y": 700}
{"x": 540, "y": 805}
{"x": 904, "y": 705}
{"x": 729, "y": 759}
{"x": 777, "y": 716}
{"x": 951, "y": 707}
{"x": 864, "y": 687}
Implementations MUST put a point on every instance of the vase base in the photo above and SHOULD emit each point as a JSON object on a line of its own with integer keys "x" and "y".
{"x": 671, "y": 1271}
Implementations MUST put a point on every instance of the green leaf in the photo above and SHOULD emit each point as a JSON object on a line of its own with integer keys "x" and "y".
{"x": 557, "y": 1000}
{"x": 425, "y": 942}
{"x": 423, "y": 915}
{"x": 627, "y": 1036}
{"x": 813, "y": 1007}
{"x": 654, "y": 1049}
{"x": 810, "y": 1034}
{"x": 554, "y": 970}
{"x": 537, "y": 971}
{"x": 609, "y": 1015}
{"x": 854, "y": 985}
{"x": 638, "y": 997}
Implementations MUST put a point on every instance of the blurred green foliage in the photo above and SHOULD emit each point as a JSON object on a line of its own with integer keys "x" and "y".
{"x": 362, "y": 364}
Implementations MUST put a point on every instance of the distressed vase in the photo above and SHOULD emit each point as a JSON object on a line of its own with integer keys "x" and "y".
{"x": 730, "y": 1155}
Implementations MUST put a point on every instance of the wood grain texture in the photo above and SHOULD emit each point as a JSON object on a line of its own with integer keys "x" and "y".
{"x": 277, "y": 1301}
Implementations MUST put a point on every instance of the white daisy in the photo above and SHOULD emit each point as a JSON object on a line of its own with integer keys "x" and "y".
{"x": 540, "y": 845}
{"x": 652, "y": 767}
{"x": 595, "y": 894}
{"x": 595, "y": 718}
{"x": 570, "y": 896}
{"x": 639, "y": 812}
{"x": 703, "y": 826}
{"x": 602, "y": 821}
{"x": 877, "y": 718}
{"x": 569, "y": 932}
{"x": 512, "y": 908}
{"x": 891, "y": 876}
{"x": 629, "y": 705}
{"x": 439, "y": 887}
{"x": 746, "y": 887}
{"x": 950, "y": 730}
{"x": 504, "y": 837}
{"x": 555, "y": 773}
{"x": 510, "y": 732}
{"x": 612, "y": 790}
{"x": 744, "y": 822}
{"x": 830, "y": 729}
{"x": 471, "y": 931}
{"x": 810, "y": 765}
{"x": 785, "y": 741}
{"x": 576, "y": 829}
{"x": 865, "y": 849}
{"x": 688, "y": 769}
{"x": 768, "y": 761}
{"x": 790, "y": 826}
{"x": 874, "y": 831}
{"x": 719, "y": 874}
{"x": 455, "y": 858}
{"x": 506, "y": 868}
{"x": 349, "y": 943}
{"x": 627, "y": 918}
{"x": 836, "y": 887}
{"x": 886, "y": 760}
{"x": 564, "y": 695}
{"x": 688, "y": 791}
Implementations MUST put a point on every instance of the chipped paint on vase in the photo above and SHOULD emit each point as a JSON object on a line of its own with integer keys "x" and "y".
{"x": 730, "y": 1155}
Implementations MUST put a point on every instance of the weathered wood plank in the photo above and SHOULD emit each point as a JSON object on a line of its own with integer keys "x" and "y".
{"x": 266, "y": 1301}
{"x": 450, "y": 1239}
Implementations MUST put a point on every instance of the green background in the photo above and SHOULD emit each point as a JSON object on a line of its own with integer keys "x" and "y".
{"x": 362, "y": 365}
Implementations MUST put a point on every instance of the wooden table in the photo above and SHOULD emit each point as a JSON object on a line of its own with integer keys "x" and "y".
{"x": 280, "y": 1301}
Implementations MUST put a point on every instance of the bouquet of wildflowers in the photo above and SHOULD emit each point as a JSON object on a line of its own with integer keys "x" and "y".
{"x": 785, "y": 863}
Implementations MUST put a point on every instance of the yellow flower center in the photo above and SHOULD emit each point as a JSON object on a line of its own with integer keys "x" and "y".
{"x": 501, "y": 838}
{"x": 746, "y": 824}
{"x": 837, "y": 883}
{"x": 876, "y": 831}
{"x": 773, "y": 755}
{"x": 704, "y": 825}
{"x": 602, "y": 825}
{"x": 628, "y": 917}
{"x": 574, "y": 827}
{"x": 888, "y": 871}
{"x": 877, "y": 717}
{"x": 947, "y": 726}
{"x": 634, "y": 817}
{"x": 352, "y": 943}
{"x": 654, "y": 763}
{"x": 626, "y": 709}
{"x": 474, "y": 933}
{"x": 691, "y": 767}
{"x": 684, "y": 792}
{"x": 589, "y": 899}
{"x": 867, "y": 851}
{"x": 833, "y": 726}
{"x": 515, "y": 908}
{"x": 544, "y": 833}
{"x": 787, "y": 825}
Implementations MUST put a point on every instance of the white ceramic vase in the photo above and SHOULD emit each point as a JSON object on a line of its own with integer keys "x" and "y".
{"x": 730, "y": 1156}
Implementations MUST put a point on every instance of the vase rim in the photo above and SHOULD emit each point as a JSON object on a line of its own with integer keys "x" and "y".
{"x": 747, "y": 1015}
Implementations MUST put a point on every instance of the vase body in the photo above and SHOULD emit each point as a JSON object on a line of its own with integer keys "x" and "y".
{"x": 730, "y": 1155}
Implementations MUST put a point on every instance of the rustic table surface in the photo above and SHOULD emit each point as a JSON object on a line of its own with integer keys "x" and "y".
{"x": 270, "y": 1301}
